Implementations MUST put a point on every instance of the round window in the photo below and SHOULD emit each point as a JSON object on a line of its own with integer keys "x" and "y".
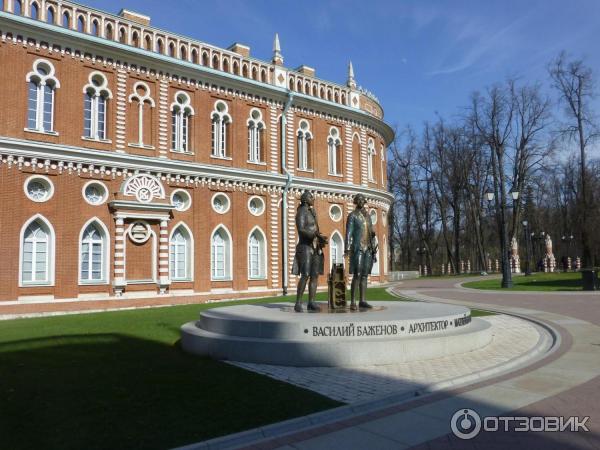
{"x": 220, "y": 203}
{"x": 95, "y": 193}
{"x": 256, "y": 206}
{"x": 335, "y": 212}
{"x": 38, "y": 188}
{"x": 181, "y": 200}
{"x": 139, "y": 232}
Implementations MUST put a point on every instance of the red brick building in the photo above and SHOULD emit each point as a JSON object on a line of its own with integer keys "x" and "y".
{"x": 137, "y": 160}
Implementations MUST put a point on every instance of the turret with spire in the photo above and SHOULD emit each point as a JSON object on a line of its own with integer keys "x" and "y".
{"x": 351, "y": 83}
{"x": 277, "y": 56}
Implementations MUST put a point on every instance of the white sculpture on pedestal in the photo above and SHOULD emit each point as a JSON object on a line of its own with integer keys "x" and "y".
{"x": 515, "y": 265}
{"x": 549, "y": 260}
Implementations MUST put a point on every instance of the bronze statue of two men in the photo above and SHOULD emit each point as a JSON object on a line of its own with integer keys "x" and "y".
{"x": 360, "y": 245}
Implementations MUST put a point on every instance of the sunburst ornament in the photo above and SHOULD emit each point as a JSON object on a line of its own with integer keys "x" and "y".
{"x": 144, "y": 188}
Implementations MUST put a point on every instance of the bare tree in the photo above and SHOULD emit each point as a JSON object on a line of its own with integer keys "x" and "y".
{"x": 575, "y": 85}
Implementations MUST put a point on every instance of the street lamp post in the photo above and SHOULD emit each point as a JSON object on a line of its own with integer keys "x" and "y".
{"x": 506, "y": 272}
{"x": 421, "y": 252}
{"x": 527, "y": 248}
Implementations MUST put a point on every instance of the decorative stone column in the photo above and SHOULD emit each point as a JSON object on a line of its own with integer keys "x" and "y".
{"x": 119, "y": 282}
{"x": 425, "y": 270}
{"x": 578, "y": 263}
{"x": 443, "y": 268}
{"x": 569, "y": 262}
{"x": 515, "y": 264}
{"x": 164, "y": 281}
{"x": 449, "y": 269}
{"x": 462, "y": 266}
{"x": 497, "y": 265}
{"x": 468, "y": 266}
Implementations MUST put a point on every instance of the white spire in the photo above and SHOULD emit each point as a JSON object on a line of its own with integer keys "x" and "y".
{"x": 351, "y": 83}
{"x": 277, "y": 56}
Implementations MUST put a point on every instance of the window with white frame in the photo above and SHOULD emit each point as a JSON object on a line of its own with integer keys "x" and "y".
{"x": 93, "y": 260}
{"x": 334, "y": 154}
{"x": 180, "y": 254}
{"x": 141, "y": 95}
{"x": 256, "y": 255}
{"x": 42, "y": 87}
{"x": 220, "y": 255}
{"x": 256, "y": 128}
{"x": 304, "y": 140}
{"x": 181, "y": 111}
{"x": 370, "y": 155}
{"x": 37, "y": 250}
{"x": 336, "y": 250}
{"x": 220, "y": 125}
{"x": 95, "y": 100}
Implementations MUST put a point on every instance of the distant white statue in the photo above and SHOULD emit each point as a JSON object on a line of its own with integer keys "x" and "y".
{"x": 549, "y": 259}
{"x": 515, "y": 263}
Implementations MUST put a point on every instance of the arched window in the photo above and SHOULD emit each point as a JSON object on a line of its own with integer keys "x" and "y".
{"x": 336, "y": 250}
{"x": 181, "y": 110}
{"x": 215, "y": 62}
{"x": 220, "y": 125}
{"x": 195, "y": 56}
{"x": 257, "y": 260}
{"x": 183, "y": 52}
{"x": 356, "y": 158}
{"x": 95, "y": 100}
{"x": 50, "y": 15}
{"x": 18, "y": 7}
{"x": 334, "y": 152}
{"x": 95, "y": 28}
{"x": 135, "y": 39}
{"x": 172, "y": 50}
{"x": 220, "y": 255}
{"x": 34, "y": 12}
{"x": 382, "y": 165}
{"x": 66, "y": 20}
{"x": 159, "y": 46}
{"x": 42, "y": 84}
{"x": 225, "y": 65}
{"x": 314, "y": 90}
{"x": 236, "y": 68}
{"x": 93, "y": 260}
{"x": 256, "y": 129}
{"x": 180, "y": 254}
{"x": 375, "y": 270}
{"x": 205, "y": 59}
{"x": 37, "y": 253}
{"x": 81, "y": 24}
{"x": 141, "y": 94}
{"x": 122, "y": 36}
{"x": 291, "y": 84}
{"x": 108, "y": 33}
{"x": 304, "y": 141}
{"x": 263, "y": 76}
{"x": 370, "y": 155}
{"x": 254, "y": 73}
{"x": 148, "y": 43}
{"x": 299, "y": 86}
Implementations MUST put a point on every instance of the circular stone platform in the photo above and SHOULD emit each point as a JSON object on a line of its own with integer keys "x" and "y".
{"x": 392, "y": 332}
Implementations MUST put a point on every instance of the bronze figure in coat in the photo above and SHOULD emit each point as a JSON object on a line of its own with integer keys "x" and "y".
{"x": 308, "y": 261}
{"x": 361, "y": 246}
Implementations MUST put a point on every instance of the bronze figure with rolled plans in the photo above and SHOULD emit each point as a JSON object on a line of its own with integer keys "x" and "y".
{"x": 362, "y": 247}
{"x": 308, "y": 261}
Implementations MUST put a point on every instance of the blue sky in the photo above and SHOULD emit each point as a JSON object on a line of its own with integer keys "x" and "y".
{"x": 418, "y": 57}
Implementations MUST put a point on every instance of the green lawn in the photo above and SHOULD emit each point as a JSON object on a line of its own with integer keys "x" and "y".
{"x": 120, "y": 380}
{"x": 570, "y": 281}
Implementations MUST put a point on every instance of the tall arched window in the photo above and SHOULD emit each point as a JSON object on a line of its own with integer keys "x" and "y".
{"x": 370, "y": 155}
{"x": 34, "y": 11}
{"x": 183, "y": 53}
{"x": 257, "y": 255}
{"x": 159, "y": 46}
{"x": 81, "y": 24}
{"x": 220, "y": 125}
{"x": 304, "y": 142}
{"x": 334, "y": 152}
{"x": 141, "y": 95}
{"x": 42, "y": 84}
{"x": 172, "y": 50}
{"x": 108, "y": 33}
{"x": 95, "y": 100}
{"x": 66, "y": 20}
{"x": 50, "y": 15}
{"x": 122, "y": 35}
{"x": 37, "y": 253}
{"x": 148, "y": 43}
{"x": 93, "y": 261}
{"x": 195, "y": 56}
{"x": 180, "y": 254}
{"x": 256, "y": 129}
{"x": 181, "y": 110}
{"x": 336, "y": 249}
{"x": 220, "y": 255}
{"x": 95, "y": 28}
{"x": 375, "y": 270}
{"x": 18, "y": 7}
{"x": 382, "y": 153}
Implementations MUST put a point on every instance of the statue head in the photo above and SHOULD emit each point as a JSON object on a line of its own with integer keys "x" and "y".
{"x": 307, "y": 198}
{"x": 360, "y": 200}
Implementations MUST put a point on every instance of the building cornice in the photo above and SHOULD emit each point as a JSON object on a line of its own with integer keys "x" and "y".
{"x": 77, "y": 158}
{"x": 163, "y": 64}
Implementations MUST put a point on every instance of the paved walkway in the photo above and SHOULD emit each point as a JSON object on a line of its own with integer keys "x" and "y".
{"x": 566, "y": 383}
